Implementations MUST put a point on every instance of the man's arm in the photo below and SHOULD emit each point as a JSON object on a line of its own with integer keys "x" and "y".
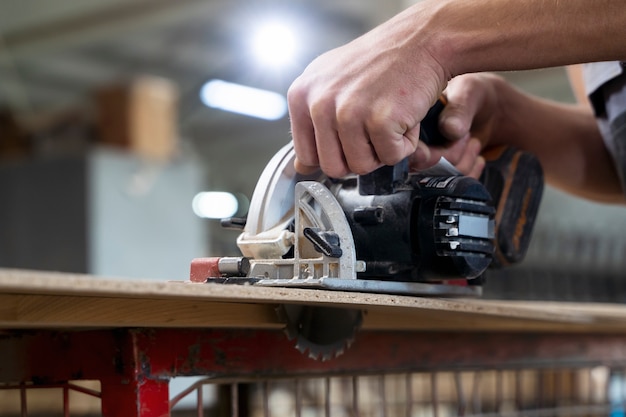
{"x": 492, "y": 35}
{"x": 564, "y": 137}
{"x": 358, "y": 107}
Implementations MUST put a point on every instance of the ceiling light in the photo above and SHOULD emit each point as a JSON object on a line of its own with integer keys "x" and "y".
{"x": 274, "y": 43}
{"x": 241, "y": 99}
{"x": 215, "y": 205}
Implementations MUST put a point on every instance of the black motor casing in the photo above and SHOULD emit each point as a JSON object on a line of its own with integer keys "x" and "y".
{"x": 418, "y": 228}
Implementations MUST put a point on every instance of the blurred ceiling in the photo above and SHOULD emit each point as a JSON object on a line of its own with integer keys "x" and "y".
{"x": 55, "y": 53}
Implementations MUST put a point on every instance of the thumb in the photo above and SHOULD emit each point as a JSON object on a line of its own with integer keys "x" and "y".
{"x": 304, "y": 169}
{"x": 423, "y": 157}
{"x": 455, "y": 121}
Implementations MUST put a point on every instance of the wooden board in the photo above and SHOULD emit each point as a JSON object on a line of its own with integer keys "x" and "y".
{"x": 34, "y": 299}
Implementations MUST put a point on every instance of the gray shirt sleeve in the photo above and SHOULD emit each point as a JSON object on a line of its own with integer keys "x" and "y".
{"x": 606, "y": 86}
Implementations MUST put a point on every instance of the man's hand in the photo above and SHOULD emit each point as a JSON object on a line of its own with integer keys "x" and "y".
{"x": 464, "y": 154}
{"x": 468, "y": 121}
{"x": 358, "y": 107}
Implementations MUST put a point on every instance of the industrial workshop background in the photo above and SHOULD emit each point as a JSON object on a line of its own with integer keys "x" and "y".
{"x": 108, "y": 134}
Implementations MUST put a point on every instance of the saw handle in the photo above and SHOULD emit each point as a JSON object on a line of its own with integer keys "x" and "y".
{"x": 385, "y": 179}
{"x": 429, "y": 126}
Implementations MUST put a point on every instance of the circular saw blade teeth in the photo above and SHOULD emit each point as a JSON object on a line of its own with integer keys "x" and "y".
{"x": 323, "y": 333}
{"x": 322, "y": 352}
{"x": 290, "y": 328}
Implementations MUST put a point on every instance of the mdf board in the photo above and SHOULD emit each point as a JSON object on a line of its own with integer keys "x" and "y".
{"x": 106, "y": 212}
{"x": 35, "y": 299}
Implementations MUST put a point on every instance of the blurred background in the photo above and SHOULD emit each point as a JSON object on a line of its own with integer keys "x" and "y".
{"x": 115, "y": 136}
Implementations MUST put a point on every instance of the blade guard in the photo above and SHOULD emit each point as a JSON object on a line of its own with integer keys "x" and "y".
{"x": 315, "y": 208}
{"x": 272, "y": 208}
{"x": 282, "y": 197}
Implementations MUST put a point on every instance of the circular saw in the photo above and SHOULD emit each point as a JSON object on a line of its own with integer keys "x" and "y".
{"x": 387, "y": 232}
{"x": 428, "y": 233}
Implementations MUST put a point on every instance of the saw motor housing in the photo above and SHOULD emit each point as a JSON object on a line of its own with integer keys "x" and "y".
{"x": 418, "y": 227}
{"x": 390, "y": 231}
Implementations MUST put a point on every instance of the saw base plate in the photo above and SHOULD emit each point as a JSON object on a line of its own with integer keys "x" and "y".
{"x": 361, "y": 285}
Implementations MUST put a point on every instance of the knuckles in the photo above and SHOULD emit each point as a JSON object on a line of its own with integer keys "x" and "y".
{"x": 296, "y": 95}
{"x": 362, "y": 168}
{"x": 334, "y": 170}
{"x": 391, "y": 157}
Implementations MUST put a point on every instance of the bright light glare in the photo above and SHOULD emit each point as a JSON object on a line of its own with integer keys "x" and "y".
{"x": 214, "y": 205}
{"x": 241, "y": 99}
{"x": 274, "y": 43}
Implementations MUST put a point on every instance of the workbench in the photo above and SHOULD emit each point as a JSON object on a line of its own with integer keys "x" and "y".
{"x": 134, "y": 335}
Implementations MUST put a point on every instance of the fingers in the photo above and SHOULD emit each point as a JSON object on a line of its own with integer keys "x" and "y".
{"x": 473, "y": 107}
{"x": 393, "y": 133}
{"x": 477, "y": 169}
{"x": 358, "y": 107}
{"x": 360, "y": 153}
{"x": 464, "y": 154}
{"x": 302, "y": 129}
{"x": 347, "y": 138}
{"x": 468, "y": 122}
{"x": 424, "y": 157}
{"x": 328, "y": 138}
{"x": 304, "y": 169}
{"x": 466, "y": 159}
{"x": 455, "y": 121}
{"x": 464, "y": 100}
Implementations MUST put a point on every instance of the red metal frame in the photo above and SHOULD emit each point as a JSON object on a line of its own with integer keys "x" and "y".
{"x": 134, "y": 366}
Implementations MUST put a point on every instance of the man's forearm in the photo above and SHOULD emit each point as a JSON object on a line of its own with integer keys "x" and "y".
{"x": 490, "y": 35}
{"x": 566, "y": 140}
{"x": 359, "y": 106}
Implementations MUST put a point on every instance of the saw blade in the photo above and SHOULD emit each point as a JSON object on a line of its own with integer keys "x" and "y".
{"x": 323, "y": 333}
{"x": 273, "y": 198}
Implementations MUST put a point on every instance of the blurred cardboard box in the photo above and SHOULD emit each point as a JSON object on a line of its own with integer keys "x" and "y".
{"x": 140, "y": 115}
{"x": 13, "y": 140}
